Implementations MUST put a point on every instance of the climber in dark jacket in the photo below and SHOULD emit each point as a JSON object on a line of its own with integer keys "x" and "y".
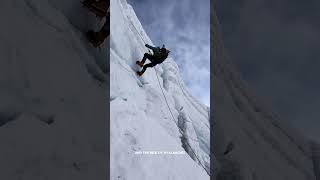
{"x": 158, "y": 56}
{"x": 102, "y": 9}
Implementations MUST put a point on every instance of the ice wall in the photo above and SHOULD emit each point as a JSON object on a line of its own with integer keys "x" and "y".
{"x": 141, "y": 108}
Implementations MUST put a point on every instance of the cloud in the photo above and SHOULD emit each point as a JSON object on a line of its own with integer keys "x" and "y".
{"x": 184, "y": 27}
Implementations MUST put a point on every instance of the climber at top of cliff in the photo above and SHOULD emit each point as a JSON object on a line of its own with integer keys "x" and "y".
{"x": 158, "y": 56}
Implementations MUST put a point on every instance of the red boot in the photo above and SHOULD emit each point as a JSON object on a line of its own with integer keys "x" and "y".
{"x": 97, "y": 38}
{"x": 139, "y": 73}
{"x": 139, "y": 63}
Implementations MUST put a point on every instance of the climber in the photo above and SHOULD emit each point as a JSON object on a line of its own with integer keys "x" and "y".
{"x": 159, "y": 55}
{"x": 97, "y": 38}
{"x": 102, "y": 9}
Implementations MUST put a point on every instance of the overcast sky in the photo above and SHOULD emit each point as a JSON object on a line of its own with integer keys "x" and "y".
{"x": 276, "y": 45}
{"x": 184, "y": 27}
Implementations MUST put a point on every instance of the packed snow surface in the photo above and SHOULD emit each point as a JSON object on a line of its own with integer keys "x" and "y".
{"x": 140, "y": 111}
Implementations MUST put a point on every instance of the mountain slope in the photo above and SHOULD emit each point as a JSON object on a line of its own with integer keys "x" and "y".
{"x": 141, "y": 108}
{"x": 249, "y": 142}
{"x": 52, "y": 91}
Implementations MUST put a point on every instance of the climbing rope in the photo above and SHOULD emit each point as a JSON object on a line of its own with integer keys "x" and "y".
{"x": 173, "y": 118}
{"x": 181, "y": 132}
{"x": 185, "y": 95}
{"x": 136, "y": 30}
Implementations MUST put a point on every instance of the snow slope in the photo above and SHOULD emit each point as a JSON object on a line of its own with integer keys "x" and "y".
{"x": 140, "y": 116}
{"x": 249, "y": 141}
{"x": 52, "y": 92}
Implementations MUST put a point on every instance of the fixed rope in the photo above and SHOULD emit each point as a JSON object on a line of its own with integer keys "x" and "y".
{"x": 185, "y": 95}
{"x": 173, "y": 118}
{"x": 181, "y": 132}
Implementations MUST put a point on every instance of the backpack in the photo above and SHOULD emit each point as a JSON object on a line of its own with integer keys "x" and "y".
{"x": 163, "y": 56}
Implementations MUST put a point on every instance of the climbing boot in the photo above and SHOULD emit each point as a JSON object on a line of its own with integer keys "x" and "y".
{"x": 96, "y": 38}
{"x": 139, "y": 63}
{"x": 92, "y": 37}
{"x": 140, "y": 73}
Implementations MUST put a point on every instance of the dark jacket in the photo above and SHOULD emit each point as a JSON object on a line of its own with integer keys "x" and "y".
{"x": 158, "y": 56}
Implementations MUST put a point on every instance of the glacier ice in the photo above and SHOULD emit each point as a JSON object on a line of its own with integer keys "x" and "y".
{"x": 140, "y": 115}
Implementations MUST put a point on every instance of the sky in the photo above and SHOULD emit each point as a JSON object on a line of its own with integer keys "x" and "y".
{"x": 275, "y": 45}
{"x": 184, "y": 27}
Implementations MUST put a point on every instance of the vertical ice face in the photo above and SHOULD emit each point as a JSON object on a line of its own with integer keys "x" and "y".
{"x": 154, "y": 112}
{"x": 52, "y": 92}
{"x": 316, "y": 158}
{"x": 249, "y": 141}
